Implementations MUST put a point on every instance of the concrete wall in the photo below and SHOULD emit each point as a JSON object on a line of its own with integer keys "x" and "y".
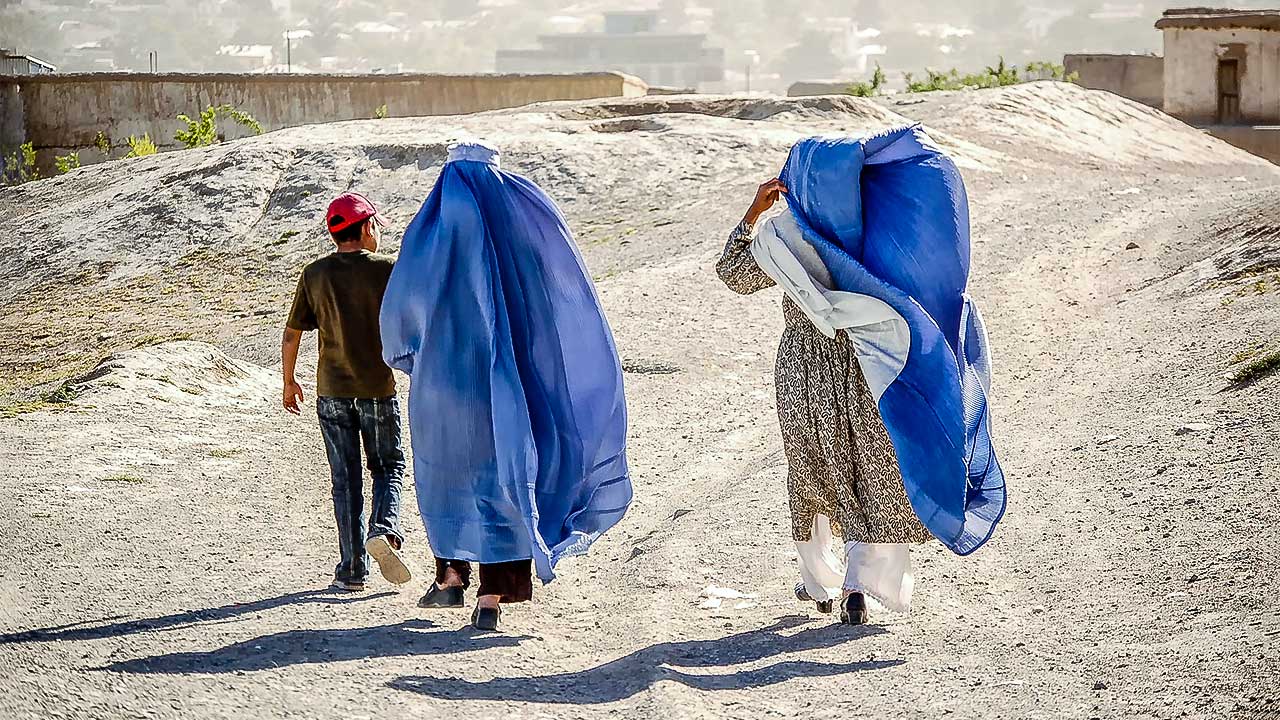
{"x": 1191, "y": 73}
{"x": 12, "y": 118}
{"x": 59, "y": 113}
{"x": 1137, "y": 77}
{"x": 1261, "y": 141}
{"x": 810, "y": 88}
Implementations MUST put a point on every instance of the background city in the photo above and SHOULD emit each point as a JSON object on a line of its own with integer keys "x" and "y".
{"x": 707, "y": 45}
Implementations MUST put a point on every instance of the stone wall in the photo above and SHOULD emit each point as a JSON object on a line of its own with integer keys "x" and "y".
{"x": 1137, "y": 77}
{"x": 61, "y": 113}
{"x": 1191, "y": 73}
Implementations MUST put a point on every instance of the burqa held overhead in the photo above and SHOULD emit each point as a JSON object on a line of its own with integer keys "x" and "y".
{"x": 516, "y": 402}
{"x": 889, "y": 217}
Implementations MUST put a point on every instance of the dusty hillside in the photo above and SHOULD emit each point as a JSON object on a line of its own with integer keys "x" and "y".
{"x": 169, "y": 531}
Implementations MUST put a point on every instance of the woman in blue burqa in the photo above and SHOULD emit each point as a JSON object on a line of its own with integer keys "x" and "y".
{"x": 516, "y": 406}
{"x": 882, "y": 374}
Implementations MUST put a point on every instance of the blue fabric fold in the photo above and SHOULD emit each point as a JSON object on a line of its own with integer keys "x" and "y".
{"x": 889, "y": 216}
{"x": 516, "y": 401}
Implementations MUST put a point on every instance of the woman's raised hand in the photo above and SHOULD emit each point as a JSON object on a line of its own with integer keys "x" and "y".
{"x": 766, "y": 196}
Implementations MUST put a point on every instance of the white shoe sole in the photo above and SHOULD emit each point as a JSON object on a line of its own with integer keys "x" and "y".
{"x": 389, "y": 560}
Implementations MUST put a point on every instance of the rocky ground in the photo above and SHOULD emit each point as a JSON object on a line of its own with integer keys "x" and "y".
{"x": 168, "y": 532}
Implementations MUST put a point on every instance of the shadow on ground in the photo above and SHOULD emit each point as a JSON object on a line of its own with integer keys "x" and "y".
{"x": 298, "y": 647}
{"x": 638, "y": 671}
{"x": 107, "y": 628}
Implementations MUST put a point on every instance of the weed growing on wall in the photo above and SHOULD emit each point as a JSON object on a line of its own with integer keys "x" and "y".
{"x": 203, "y": 130}
{"x": 381, "y": 112}
{"x": 66, "y": 163}
{"x": 19, "y": 165}
{"x": 103, "y": 143}
{"x": 139, "y": 147}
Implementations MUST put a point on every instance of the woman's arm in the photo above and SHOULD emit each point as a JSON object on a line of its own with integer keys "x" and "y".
{"x": 736, "y": 267}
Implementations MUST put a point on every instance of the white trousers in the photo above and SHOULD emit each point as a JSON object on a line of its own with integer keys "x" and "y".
{"x": 881, "y": 570}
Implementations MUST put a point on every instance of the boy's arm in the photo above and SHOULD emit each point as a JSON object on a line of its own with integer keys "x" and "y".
{"x": 289, "y": 360}
{"x": 301, "y": 318}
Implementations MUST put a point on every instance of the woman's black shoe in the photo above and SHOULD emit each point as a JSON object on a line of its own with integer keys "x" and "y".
{"x": 802, "y": 594}
{"x": 438, "y": 597}
{"x": 853, "y": 610}
{"x": 486, "y": 618}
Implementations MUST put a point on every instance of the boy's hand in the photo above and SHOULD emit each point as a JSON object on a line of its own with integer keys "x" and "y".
{"x": 292, "y": 397}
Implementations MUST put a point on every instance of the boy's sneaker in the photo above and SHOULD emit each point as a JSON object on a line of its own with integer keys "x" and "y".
{"x": 389, "y": 560}
{"x": 347, "y": 586}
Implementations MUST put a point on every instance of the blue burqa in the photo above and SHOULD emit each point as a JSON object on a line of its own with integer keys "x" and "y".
{"x": 515, "y": 404}
{"x": 889, "y": 216}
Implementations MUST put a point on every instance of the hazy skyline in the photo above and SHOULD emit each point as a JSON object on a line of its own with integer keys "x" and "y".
{"x": 822, "y": 39}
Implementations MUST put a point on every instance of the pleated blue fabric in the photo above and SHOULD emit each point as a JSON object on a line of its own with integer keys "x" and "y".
{"x": 516, "y": 401}
{"x": 889, "y": 216}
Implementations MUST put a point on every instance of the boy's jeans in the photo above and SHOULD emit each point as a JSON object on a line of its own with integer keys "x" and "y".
{"x": 345, "y": 422}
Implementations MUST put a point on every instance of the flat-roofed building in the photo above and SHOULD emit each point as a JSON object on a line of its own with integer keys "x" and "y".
{"x": 1222, "y": 67}
{"x": 633, "y": 43}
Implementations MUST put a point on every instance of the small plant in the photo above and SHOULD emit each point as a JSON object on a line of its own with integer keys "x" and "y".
{"x": 20, "y": 165}
{"x": 103, "y": 143}
{"x": 868, "y": 89}
{"x": 204, "y": 130}
{"x": 66, "y": 163}
{"x": 55, "y": 400}
{"x": 138, "y": 147}
{"x": 381, "y": 112}
{"x": 1257, "y": 369}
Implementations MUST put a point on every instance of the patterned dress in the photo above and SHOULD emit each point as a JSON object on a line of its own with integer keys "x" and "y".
{"x": 840, "y": 461}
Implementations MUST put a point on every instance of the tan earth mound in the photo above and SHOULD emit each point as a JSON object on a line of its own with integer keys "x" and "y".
{"x": 1055, "y": 122}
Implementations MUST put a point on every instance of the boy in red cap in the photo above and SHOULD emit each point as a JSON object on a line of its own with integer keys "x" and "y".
{"x": 341, "y": 295}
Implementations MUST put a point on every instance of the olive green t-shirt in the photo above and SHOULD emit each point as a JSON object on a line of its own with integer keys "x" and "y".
{"x": 340, "y": 295}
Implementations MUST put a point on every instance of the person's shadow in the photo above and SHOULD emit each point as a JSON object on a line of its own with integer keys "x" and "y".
{"x": 115, "y": 626}
{"x": 636, "y": 672}
{"x": 296, "y": 647}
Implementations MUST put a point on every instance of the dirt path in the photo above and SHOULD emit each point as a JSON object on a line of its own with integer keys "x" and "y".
{"x": 169, "y": 536}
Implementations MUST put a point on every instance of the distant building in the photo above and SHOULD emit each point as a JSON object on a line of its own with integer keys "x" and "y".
{"x": 631, "y": 43}
{"x": 1222, "y": 67}
{"x": 245, "y": 58}
{"x": 12, "y": 63}
{"x": 1220, "y": 71}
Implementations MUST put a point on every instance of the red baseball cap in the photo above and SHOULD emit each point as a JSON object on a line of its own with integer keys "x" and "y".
{"x": 350, "y": 208}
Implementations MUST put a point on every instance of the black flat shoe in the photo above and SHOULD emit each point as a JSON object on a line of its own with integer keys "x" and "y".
{"x": 853, "y": 610}
{"x": 438, "y": 597}
{"x": 802, "y": 594}
{"x": 486, "y": 618}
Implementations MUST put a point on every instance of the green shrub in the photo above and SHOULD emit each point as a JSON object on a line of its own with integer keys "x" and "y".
{"x": 999, "y": 75}
{"x": 868, "y": 89}
{"x": 139, "y": 147}
{"x": 20, "y": 165}
{"x": 103, "y": 143}
{"x": 204, "y": 130}
{"x": 381, "y": 112}
{"x": 67, "y": 163}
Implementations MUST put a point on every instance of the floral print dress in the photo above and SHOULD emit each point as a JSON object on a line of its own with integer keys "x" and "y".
{"x": 840, "y": 461}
